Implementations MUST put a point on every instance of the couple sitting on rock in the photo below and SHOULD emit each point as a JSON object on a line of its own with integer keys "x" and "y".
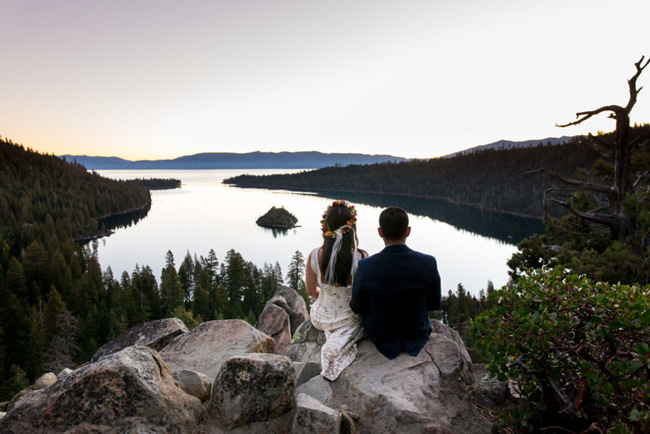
{"x": 386, "y": 296}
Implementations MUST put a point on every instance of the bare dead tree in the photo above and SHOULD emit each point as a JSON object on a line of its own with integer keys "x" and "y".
{"x": 608, "y": 209}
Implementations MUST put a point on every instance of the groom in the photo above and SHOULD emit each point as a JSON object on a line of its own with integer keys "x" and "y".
{"x": 395, "y": 289}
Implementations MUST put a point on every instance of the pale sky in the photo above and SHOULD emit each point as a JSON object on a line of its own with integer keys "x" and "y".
{"x": 160, "y": 79}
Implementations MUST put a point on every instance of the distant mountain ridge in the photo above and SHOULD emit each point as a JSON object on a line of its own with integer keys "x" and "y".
{"x": 509, "y": 144}
{"x": 231, "y": 160}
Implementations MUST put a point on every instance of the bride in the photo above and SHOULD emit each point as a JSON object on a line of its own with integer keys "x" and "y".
{"x": 329, "y": 273}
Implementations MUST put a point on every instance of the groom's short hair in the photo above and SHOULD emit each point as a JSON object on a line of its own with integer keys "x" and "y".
{"x": 394, "y": 222}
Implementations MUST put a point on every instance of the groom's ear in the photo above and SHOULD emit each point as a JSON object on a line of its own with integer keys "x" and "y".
{"x": 381, "y": 234}
{"x": 408, "y": 232}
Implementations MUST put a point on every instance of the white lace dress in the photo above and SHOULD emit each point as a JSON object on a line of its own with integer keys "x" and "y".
{"x": 343, "y": 328}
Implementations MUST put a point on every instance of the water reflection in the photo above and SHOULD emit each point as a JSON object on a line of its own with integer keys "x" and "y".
{"x": 278, "y": 233}
{"x": 503, "y": 227}
{"x": 124, "y": 220}
{"x": 108, "y": 224}
{"x": 507, "y": 228}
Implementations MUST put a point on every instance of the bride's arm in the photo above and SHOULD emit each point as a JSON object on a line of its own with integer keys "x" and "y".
{"x": 310, "y": 280}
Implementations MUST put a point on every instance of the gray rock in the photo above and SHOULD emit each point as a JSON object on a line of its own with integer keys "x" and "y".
{"x": 2, "y": 414}
{"x": 305, "y": 371}
{"x": 310, "y": 416}
{"x": 318, "y": 388}
{"x": 427, "y": 393}
{"x": 306, "y": 332}
{"x": 154, "y": 334}
{"x": 64, "y": 373}
{"x": 193, "y": 383}
{"x": 44, "y": 380}
{"x": 207, "y": 347}
{"x": 305, "y": 352}
{"x": 298, "y": 312}
{"x": 280, "y": 302}
{"x": 128, "y": 391}
{"x": 449, "y": 358}
{"x": 491, "y": 392}
{"x": 252, "y": 387}
{"x": 274, "y": 321}
{"x": 440, "y": 328}
{"x": 306, "y": 343}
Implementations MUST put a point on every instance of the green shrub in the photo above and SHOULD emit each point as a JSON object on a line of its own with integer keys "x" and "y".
{"x": 578, "y": 350}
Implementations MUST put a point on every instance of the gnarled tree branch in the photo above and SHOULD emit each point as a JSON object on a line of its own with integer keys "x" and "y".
{"x": 632, "y": 83}
{"x": 590, "y": 186}
{"x": 583, "y": 116}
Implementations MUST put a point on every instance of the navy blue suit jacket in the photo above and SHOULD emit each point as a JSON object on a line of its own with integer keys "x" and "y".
{"x": 394, "y": 291}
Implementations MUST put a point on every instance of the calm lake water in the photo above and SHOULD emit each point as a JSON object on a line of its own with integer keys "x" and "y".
{"x": 471, "y": 246}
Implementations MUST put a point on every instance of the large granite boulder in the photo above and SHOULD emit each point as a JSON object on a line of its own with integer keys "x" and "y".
{"x": 427, "y": 393}
{"x": 281, "y": 317}
{"x": 154, "y": 334}
{"x": 251, "y": 388}
{"x": 128, "y": 391}
{"x": 274, "y": 321}
{"x": 296, "y": 306}
{"x": 207, "y": 347}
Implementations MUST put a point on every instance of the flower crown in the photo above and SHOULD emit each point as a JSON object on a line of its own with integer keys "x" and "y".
{"x": 353, "y": 219}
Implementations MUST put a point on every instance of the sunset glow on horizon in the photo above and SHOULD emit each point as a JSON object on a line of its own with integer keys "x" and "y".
{"x": 147, "y": 79}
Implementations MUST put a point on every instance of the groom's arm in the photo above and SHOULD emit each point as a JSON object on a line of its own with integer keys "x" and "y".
{"x": 358, "y": 302}
{"x": 433, "y": 298}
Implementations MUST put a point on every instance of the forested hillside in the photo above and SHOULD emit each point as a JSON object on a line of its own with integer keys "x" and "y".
{"x": 58, "y": 306}
{"x": 495, "y": 180}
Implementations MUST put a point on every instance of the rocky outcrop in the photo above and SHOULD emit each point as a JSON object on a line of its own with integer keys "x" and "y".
{"x": 209, "y": 345}
{"x": 135, "y": 390}
{"x": 154, "y": 334}
{"x": 277, "y": 218}
{"x": 427, "y": 393}
{"x": 281, "y": 317}
{"x": 251, "y": 388}
{"x": 128, "y": 391}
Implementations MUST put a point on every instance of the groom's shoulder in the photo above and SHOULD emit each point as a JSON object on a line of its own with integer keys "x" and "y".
{"x": 423, "y": 256}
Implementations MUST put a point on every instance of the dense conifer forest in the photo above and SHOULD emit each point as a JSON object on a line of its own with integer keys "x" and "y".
{"x": 499, "y": 180}
{"x": 158, "y": 183}
{"x": 58, "y": 306}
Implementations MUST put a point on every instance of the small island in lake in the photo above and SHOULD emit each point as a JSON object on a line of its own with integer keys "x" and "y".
{"x": 277, "y": 218}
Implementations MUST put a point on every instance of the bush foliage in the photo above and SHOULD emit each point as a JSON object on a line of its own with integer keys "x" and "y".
{"x": 578, "y": 351}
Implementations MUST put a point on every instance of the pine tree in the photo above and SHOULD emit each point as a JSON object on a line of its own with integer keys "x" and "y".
{"x": 53, "y": 308}
{"x": 186, "y": 277}
{"x": 201, "y": 303}
{"x": 296, "y": 270}
{"x": 170, "y": 286}
{"x": 235, "y": 280}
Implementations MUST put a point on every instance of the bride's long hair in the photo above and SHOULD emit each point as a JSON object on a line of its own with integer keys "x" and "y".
{"x": 337, "y": 219}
